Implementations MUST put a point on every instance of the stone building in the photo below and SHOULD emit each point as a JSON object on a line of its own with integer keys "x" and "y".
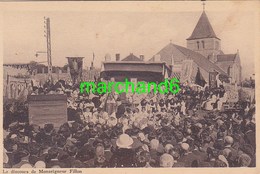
{"x": 204, "y": 52}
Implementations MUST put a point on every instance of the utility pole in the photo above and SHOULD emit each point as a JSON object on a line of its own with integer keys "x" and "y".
{"x": 47, "y": 34}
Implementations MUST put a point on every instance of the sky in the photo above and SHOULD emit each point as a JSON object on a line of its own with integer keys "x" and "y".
{"x": 81, "y": 29}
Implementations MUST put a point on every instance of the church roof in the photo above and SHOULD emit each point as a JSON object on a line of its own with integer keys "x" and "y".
{"x": 226, "y": 60}
{"x": 203, "y": 29}
{"x": 180, "y": 53}
{"x": 226, "y": 57}
{"x": 131, "y": 57}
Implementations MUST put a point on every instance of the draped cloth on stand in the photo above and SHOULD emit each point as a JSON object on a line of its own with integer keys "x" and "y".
{"x": 199, "y": 80}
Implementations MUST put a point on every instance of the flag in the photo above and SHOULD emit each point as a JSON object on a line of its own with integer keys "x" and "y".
{"x": 199, "y": 80}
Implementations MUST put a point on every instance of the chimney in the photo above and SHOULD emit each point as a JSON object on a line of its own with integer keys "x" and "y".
{"x": 117, "y": 57}
{"x": 142, "y": 57}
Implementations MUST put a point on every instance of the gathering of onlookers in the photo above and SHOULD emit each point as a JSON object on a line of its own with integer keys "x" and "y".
{"x": 188, "y": 129}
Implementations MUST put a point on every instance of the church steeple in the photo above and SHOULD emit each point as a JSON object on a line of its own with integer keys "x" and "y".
{"x": 203, "y": 29}
{"x": 203, "y": 39}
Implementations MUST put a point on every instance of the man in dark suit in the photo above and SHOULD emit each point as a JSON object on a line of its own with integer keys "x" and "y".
{"x": 250, "y": 135}
{"x": 51, "y": 158}
{"x": 124, "y": 154}
{"x": 120, "y": 109}
{"x": 24, "y": 156}
{"x": 9, "y": 116}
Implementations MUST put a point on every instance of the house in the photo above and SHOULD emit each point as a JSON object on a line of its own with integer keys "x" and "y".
{"x": 135, "y": 69}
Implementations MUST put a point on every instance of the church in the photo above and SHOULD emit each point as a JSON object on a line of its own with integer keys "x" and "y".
{"x": 203, "y": 52}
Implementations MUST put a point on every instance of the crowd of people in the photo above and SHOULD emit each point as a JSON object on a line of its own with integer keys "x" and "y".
{"x": 188, "y": 129}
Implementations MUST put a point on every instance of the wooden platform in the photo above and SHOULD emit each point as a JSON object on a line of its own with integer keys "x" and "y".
{"x": 48, "y": 109}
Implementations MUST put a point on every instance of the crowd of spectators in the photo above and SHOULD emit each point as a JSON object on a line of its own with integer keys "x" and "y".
{"x": 189, "y": 129}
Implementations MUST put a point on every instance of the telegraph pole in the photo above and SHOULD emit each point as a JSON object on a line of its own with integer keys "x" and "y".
{"x": 47, "y": 32}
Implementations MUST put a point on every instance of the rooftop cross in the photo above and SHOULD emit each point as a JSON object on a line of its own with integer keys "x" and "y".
{"x": 203, "y": 3}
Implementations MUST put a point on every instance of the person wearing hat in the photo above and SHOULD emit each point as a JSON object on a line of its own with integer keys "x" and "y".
{"x": 100, "y": 159}
{"x": 11, "y": 150}
{"x": 212, "y": 156}
{"x": 142, "y": 114}
{"x": 9, "y": 116}
{"x": 152, "y": 106}
{"x": 228, "y": 144}
{"x": 168, "y": 147}
{"x": 110, "y": 104}
{"x": 244, "y": 160}
{"x": 175, "y": 153}
{"x": 120, "y": 109}
{"x": 155, "y": 152}
{"x": 112, "y": 121}
{"x": 221, "y": 162}
{"x": 124, "y": 155}
{"x": 85, "y": 117}
{"x": 166, "y": 161}
{"x": 34, "y": 150}
{"x": 102, "y": 115}
{"x": 187, "y": 157}
{"x": 51, "y": 159}
{"x": 107, "y": 149}
{"x": 228, "y": 154}
{"x": 40, "y": 164}
{"x": 249, "y": 135}
{"x": 6, "y": 163}
{"x": 219, "y": 142}
{"x": 24, "y": 158}
{"x": 44, "y": 153}
{"x": 143, "y": 159}
{"x": 26, "y": 166}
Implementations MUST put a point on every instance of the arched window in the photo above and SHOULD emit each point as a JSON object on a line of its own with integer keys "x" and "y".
{"x": 198, "y": 45}
{"x": 203, "y": 44}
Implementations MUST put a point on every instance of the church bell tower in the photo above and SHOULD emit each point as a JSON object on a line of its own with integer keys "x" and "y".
{"x": 204, "y": 40}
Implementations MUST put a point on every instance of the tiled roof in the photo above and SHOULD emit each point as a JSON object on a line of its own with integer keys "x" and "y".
{"x": 168, "y": 52}
{"x": 131, "y": 57}
{"x": 226, "y": 57}
{"x": 179, "y": 53}
{"x": 203, "y": 29}
{"x": 225, "y": 65}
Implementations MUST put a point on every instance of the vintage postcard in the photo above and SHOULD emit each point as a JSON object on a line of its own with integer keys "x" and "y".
{"x": 130, "y": 87}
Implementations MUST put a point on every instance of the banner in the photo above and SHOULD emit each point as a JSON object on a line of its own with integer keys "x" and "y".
{"x": 186, "y": 71}
{"x": 199, "y": 79}
{"x": 76, "y": 66}
{"x": 212, "y": 79}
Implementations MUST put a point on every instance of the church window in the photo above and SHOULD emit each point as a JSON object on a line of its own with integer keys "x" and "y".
{"x": 198, "y": 45}
{"x": 203, "y": 44}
